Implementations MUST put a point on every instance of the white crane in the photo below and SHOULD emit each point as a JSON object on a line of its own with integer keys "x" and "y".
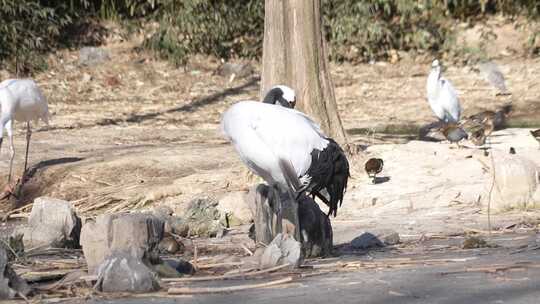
{"x": 288, "y": 150}
{"x": 493, "y": 75}
{"x": 21, "y": 100}
{"x": 442, "y": 96}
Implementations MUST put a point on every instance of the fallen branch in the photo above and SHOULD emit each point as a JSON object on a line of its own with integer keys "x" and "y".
{"x": 227, "y": 276}
{"x": 225, "y": 264}
{"x": 206, "y": 290}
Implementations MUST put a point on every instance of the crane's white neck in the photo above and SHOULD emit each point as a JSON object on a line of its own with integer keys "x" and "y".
{"x": 433, "y": 84}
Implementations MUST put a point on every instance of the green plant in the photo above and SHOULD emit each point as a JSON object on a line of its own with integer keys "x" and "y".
{"x": 28, "y": 29}
{"x": 224, "y": 29}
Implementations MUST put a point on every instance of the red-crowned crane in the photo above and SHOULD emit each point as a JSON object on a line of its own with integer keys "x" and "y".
{"x": 442, "y": 96}
{"x": 21, "y": 100}
{"x": 288, "y": 150}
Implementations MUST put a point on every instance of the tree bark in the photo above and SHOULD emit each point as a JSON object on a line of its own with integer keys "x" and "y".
{"x": 295, "y": 54}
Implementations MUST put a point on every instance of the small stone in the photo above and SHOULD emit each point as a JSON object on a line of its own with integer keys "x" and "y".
{"x": 170, "y": 245}
{"x": 180, "y": 265}
{"x": 283, "y": 249}
{"x": 366, "y": 240}
{"x": 52, "y": 223}
{"x": 239, "y": 70}
{"x": 178, "y": 226}
{"x": 388, "y": 236}
{"x": 473, "y": 242}
{"x": 123, "y": 272}
{"x": 90, "y": 56}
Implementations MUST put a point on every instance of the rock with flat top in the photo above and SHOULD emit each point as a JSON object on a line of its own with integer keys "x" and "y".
{"x": 52, "y": 223}
{"x": 516, "y": 183}
{"x": 137, "y": 234}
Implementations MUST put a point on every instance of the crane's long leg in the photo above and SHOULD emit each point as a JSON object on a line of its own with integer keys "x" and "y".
{"x": 11, "y": 148}
{"x": 28, "y": 135}
{"x": 277, "y": 223}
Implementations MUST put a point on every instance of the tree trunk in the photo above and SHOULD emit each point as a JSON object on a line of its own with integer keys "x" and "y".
{"x": 295, "y": 54}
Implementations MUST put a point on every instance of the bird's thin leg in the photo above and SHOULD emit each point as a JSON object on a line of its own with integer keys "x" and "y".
{"x": 11, "y": 157}
{"x": 9, "y": 129}
{"x": 28, "y": 135}
{"x": 278, "y": 209}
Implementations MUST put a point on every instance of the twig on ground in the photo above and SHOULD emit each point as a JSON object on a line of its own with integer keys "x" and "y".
{"x": 206, "y": 290}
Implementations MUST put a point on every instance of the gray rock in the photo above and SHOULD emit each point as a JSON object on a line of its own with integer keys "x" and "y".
{"x": 137, "y": 234}
{"x": 388, "y": 236}
{"x": 177, "y": 226}
{"x": 169, "y": 245}
{"x": 204, "y": 218}
{"x": 123, "y": 272}
{"x": 91, "y": 56}
{"x": 283, "y": 249}
{"x": 10, "y": 283}
{"x": 239, "y": 70}
{"x": 366, "y": 240}
{"x": 180, "y": 265}
{"x": 315, "y": 229}
{"x": 52, "y": 223}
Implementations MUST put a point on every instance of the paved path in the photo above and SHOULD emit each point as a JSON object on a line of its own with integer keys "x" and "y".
{"x": 436, "y": 284}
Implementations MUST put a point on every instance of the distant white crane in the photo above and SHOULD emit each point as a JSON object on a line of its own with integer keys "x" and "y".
{"x": 493, "y": 75}
{"x": 442, "y": 96}
{"x": 21, "y": 100}
{"x": 288, "y": 150}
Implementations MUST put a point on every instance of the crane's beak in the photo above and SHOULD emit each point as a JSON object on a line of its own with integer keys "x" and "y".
{"x": 1, "y": 139}
{"x": 293, "y": 104}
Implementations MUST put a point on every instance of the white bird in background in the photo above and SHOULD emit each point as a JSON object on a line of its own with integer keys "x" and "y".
{"x": 21, "y": 100}
{"x": 493, "y": 75}
{"x": 442, "y": 96}
{"x": 288, "y": 150}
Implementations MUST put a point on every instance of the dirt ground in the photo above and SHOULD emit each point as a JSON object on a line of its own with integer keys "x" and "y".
{"x": 134, "y": 132}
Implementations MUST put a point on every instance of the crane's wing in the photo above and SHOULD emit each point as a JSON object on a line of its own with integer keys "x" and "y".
{"x": 270, "y": 136}
{"x": 449, "y": 100}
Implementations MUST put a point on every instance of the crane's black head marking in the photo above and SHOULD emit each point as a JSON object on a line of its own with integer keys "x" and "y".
{"x": 281, "y": 94}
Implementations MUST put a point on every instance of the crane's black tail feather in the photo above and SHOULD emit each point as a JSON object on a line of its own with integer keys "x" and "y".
{"x": 329, "y": 171}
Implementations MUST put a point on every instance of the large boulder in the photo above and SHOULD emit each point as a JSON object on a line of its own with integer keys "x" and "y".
{"x": 516, "y": 183}
{"x": 137, "y": 234}
{"x": 52, "y": 223}
{"x": 123, "y": 272}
